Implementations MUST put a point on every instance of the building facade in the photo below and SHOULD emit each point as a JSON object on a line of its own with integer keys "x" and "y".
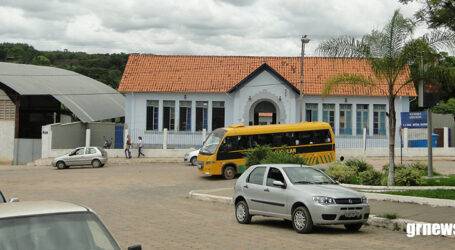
{"x": 193, "y": 93}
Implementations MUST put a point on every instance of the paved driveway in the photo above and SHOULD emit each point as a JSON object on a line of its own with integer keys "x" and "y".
{"x": 147, "y": 204}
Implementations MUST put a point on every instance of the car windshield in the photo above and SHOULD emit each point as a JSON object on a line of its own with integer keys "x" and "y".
{"x": 211, "y": 143}
{"x": 306, "y": 175}
{"x": 56, "y": 231}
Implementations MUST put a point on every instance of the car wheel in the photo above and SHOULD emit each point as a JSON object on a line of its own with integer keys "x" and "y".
{"x": 301, "y": 220}
{"x": 229, "y": 172}
{"x": 61, "y": 165}
{"x": 193, "y": 160}
{"x": 242, "y": 213}
{"x": 353, "y": 227}
{"x": 96, "y": 163}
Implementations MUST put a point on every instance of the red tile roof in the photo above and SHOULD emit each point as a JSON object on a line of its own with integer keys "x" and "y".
{"x": 218, "y": 74}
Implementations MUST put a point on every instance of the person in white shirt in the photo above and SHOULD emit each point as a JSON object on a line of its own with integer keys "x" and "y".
{"x": 139, "y": 147}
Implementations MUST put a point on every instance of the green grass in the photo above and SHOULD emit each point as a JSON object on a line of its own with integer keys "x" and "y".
{"x": 389, "y": 216}
{"x": 438, "y": 193}
{"x": 440, "y": 182}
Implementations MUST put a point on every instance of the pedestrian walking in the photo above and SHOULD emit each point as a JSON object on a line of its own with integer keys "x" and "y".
{"x": 128, "y": 147}
{"x": 139, "y": 147}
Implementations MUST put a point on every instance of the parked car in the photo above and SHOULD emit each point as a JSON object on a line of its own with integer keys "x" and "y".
{"x": 53, "y": 225}
{"x": 302, "y": 194}
{"x": 94, "y": 156}
{"x": 191, "y": 157}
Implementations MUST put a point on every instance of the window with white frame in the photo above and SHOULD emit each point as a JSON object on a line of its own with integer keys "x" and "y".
{"x": 169, "y": 115}
{"x": 217, "y": 115}
{"x": 362, "y": 118}
{"x": 152, "y": 115}
{"x": 311, "y": 112}
{"x": 201, "y": 115}
{"x": 379, "y": 115}
{"x": 345, "y": 119}
{"x": 328, "y": 114}
{"x": 185, "y": 116}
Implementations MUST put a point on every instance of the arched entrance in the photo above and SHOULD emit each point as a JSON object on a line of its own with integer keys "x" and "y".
{"x": 264, "y": 113}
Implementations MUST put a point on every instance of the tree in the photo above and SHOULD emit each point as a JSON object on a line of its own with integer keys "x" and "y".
{"x": 446, "y": 107}
{"x": 436, "y": 13}
{"x": 388, "y": 52}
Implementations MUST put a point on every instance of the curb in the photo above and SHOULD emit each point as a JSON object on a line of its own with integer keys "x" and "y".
{"x": 391, "y": 224}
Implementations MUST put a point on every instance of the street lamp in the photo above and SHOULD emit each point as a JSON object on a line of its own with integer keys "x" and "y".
{"x": 304, "y": 40}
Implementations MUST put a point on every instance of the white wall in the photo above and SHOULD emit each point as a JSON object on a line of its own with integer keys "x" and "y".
{"x": 7, "y": 139}
{"x": 265, "y": 87}
{"x": 136, "y": 107}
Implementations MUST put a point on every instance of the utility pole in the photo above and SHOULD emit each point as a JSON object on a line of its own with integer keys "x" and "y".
{"x": 304, "y": 40}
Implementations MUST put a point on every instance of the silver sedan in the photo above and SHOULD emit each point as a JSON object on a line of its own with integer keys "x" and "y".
{"x": 94, "y": 156}
{"x": 302, "y": 194}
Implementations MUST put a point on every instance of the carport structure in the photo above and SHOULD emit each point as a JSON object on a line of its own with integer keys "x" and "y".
{"x": 38, "y": 93}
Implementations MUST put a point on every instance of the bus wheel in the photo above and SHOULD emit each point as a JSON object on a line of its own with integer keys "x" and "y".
{"x": 229, "y": 172}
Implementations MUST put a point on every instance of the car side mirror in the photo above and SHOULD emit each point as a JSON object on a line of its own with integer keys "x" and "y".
{"x": 279, "y": 184}
{"x": 135, "y": 247}
{"x": 14, "y": 199}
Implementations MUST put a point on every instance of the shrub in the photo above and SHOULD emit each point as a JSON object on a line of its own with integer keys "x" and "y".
{"x": 385, "y": 168}
{"x": 282, "y": 156}
{"x": 359, "y": 165}
{"x": 340, "y": 172}
{"x": 256, "y": 155}
{"x": 408, "y": 177}
{"x": 422, "y": 167}
{"x": 370, "y": 177}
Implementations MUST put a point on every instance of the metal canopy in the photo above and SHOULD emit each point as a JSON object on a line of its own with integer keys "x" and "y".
{"x": 88, "y": 99}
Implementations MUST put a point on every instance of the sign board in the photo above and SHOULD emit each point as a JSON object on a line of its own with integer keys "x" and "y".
{"x": 414, "y": 119}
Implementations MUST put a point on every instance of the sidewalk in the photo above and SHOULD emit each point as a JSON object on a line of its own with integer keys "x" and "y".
{"x": 406, "y": 207}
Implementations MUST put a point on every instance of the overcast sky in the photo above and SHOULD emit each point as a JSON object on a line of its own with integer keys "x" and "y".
{"x": 190, "y": 27}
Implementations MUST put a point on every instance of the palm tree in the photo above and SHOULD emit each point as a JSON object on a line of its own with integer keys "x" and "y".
{"x": 388, "y": 52}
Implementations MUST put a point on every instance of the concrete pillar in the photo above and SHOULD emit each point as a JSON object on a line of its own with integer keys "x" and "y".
{"x": 165, "y": 138}
{"x": 446, "y": 137}
{"x": 87, "y": 137}
{"x": 405, "y": 138}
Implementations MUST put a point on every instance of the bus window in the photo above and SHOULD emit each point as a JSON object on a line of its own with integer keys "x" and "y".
{"x": 245, "y": 142}
{"x": 277, "y": 140}
{"x": 230, "y": 143}
{"x": 322, "y": 136}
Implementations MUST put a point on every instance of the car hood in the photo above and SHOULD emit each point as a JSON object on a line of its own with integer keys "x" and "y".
{"x": 330, "y": 190}
{"x": 60, "y": 157}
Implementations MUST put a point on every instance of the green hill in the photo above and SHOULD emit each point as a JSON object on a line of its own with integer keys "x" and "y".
{"x": 106, "y": 68}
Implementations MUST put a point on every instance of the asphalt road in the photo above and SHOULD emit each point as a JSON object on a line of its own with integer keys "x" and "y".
{"x": 147, "y": 204}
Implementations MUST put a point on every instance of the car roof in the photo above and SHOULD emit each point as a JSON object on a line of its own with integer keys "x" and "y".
{"x": 282, "y": 165}
{"x": 29, "y": 208}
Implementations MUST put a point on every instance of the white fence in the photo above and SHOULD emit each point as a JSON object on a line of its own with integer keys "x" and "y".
{"x": 187, "y": 139}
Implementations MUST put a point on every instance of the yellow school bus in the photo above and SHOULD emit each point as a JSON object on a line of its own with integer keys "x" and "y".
{"x": 223, "y": 151}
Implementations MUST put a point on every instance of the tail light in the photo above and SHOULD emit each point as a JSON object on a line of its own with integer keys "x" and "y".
{"x": 102, "y": 153}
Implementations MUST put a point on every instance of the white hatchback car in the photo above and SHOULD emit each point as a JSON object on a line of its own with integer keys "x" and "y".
{"x": 302, "y": 194}
{"x": 191, "y": 157}
{"x": 53, "y": 225}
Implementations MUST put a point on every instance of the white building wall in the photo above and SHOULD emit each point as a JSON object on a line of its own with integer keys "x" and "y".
{"x": 7, "y": 139}
{"x": 136, "y": 107}
{"x": 264, "y": 87}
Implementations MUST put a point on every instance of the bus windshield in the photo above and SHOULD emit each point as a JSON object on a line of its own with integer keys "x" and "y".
{"x": 211, "y": 143}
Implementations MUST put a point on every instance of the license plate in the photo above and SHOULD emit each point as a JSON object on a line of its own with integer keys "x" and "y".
{"x": 352, "y": 214}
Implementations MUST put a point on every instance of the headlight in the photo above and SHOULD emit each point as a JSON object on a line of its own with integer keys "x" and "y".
{"x": 364, "y": 200}
{"x": 210, "y": 162}
{"x": 323, "y": 200}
